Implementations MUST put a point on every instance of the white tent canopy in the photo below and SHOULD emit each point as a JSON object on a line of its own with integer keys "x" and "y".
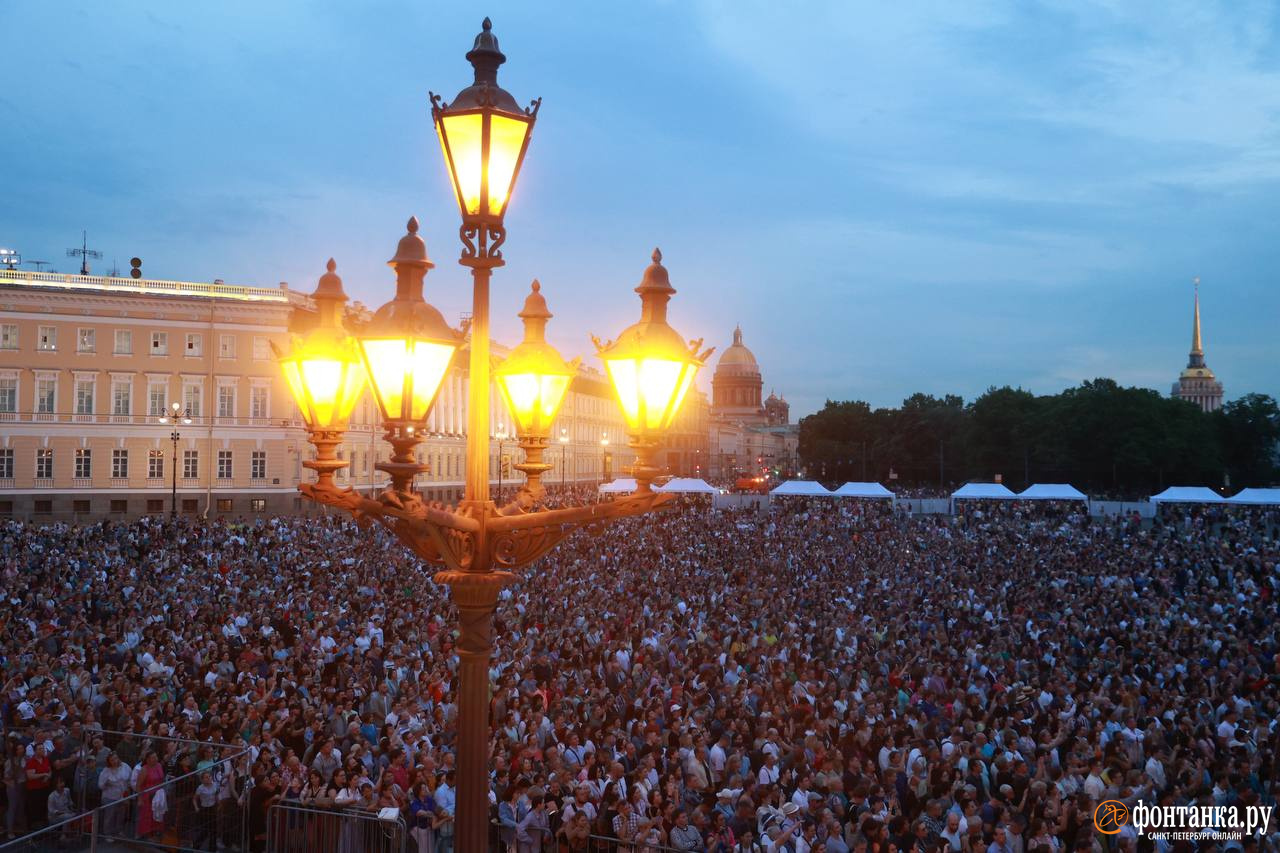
{"x": 622, "y": 484}
{"x": 982, "y": 491}
{"x": 863, "y": 490}
{"x": 801, "y": 488}
{"x": 1187, "y": 495}
{"x": 1269, "y": 497}
{"x": 1052, "y": 492}
{"x": 688, "y": 485}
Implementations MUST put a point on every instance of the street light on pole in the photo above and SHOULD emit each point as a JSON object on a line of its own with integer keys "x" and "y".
{"x": 175, "y": 414}
{"x": 407, "y": 350}
{"x": 564, "y": 449}
{"x": 501, "y": 436}
{"x": 604, "y": 450}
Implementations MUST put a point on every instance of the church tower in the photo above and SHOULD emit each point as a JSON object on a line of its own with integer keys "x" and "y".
{"x": 1197, "y": 384}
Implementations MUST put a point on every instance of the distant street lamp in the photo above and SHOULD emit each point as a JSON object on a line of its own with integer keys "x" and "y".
{"x": 175, "y": 414}
{"x": 407, "y": 350}
{"x": 564, "y": 447}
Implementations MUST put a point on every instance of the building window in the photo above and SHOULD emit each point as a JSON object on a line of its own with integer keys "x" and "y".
{"x": 48, "y": 338}
{"x": 6, "y": 507}
{"x": 195, "y": 344}
{"x": 44, "y": 463}
{"x": 121, "y": 397}
{"x": 226, "y": 401}
{"x": 224, "y": 504}
{"x": 46, "y": 394}
{"x": 155, "y": 504}
{"x": 124, "y": 342}
{"x": 261, "y": 348}
{"x": 226, "y": 346}
{"x": 224, "y": 464}
{"x": 258, "y": 504}
{"x": 84, "y": 463}
{"x": 8, "y": 336}
{"x": 258, "y": 465}
{"x": 6, "y": 463}
{"x": 155, "y": 464}
{"x": 86, "y": 340}
{"x": 8, "y": 394}
{"x": 80, "y": 506}
{"x": 190, "y": 505}
{"x": 159, "y": 343}
{"x": 120, "y": 505}
{"x": 156, "y": 394}
{"x": 84, "y": 396}
{"x": 44, "y": 507}
{"x": 191, "y": 395}
{"x": 119, "y": 464}
{"x": 191, "y": 464}
{"x": 259, "y": 402}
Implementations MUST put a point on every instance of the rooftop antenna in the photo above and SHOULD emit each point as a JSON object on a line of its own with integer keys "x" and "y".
{"x": 115, "y": 269}
{"x": 84, "y": 252}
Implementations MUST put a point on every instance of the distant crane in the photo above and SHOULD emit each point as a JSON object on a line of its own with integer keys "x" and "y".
{"x": 84, "y": 252}
{"x": 39, "y": 265}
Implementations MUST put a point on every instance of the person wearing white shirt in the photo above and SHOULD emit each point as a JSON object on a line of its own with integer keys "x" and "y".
{"x": 717, "y": 758}
{"x": 768, "y": 774}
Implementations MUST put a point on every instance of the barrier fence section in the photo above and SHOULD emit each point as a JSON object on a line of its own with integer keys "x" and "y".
{"x": 295, "y": 828}
{"x": 611, "y": 844}
{"x": 198, "y": 809}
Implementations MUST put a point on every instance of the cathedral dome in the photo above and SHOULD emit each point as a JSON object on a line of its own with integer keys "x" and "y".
{"x": 737, "y": 358}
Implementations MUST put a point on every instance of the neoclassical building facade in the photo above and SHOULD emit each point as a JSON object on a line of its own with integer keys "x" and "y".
{"x": 89, "y": 365}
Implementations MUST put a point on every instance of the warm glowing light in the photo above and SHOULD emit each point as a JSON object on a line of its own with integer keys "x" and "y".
{"x": 534, "y": 378}
{"x": 650, "y": 390}
{"x": 650, "y": 364}
{"x": 406, "y": 374}
{"x": 533, "y": 400}
{"x": 483, "y": 149}
{"x": 325, "y": 389}
{"x": 462, "y": 135}
{"x": 506, "y": 141}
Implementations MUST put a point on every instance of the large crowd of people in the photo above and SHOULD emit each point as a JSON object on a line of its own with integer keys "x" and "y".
{"x": 824, "y": 676}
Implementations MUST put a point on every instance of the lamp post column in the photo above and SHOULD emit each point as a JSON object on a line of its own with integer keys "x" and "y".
{"x": 475, "y": 588}
{"x": 173, "y": 492}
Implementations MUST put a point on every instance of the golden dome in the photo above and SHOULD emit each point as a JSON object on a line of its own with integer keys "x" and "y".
{"x": 738, "y": 356}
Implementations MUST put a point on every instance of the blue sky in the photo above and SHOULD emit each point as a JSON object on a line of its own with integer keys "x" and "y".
{"x": 888, "y": 197}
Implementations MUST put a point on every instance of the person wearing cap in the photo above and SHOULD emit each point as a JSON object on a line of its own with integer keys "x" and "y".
{"x": 724, "y": 802}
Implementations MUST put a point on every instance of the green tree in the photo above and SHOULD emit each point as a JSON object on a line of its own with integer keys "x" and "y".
{"x": 1249, "y": 432}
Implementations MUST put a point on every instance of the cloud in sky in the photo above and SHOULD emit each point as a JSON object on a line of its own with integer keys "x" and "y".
{"x": 888, "y": 197}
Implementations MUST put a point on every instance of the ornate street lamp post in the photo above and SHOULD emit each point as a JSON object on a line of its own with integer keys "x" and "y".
{"x": 407, "y": 349}
{"x": 175, "y": 414}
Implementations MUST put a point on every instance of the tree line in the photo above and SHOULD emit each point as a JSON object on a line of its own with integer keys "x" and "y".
{"x": 1099, "y": 437}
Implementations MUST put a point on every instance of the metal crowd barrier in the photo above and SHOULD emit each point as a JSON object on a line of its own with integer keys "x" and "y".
{"x": 133, "y": 820}
{"x": 295, "y": 828}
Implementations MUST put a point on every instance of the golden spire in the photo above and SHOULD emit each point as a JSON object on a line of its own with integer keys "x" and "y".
{"x": 1196, "y": 348}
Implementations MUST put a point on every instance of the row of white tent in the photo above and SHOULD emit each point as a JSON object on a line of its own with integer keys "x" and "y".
{"x": 1201, "y": 495}
{"x": 676, "y": 485}
{"x": 969, "y": 491}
